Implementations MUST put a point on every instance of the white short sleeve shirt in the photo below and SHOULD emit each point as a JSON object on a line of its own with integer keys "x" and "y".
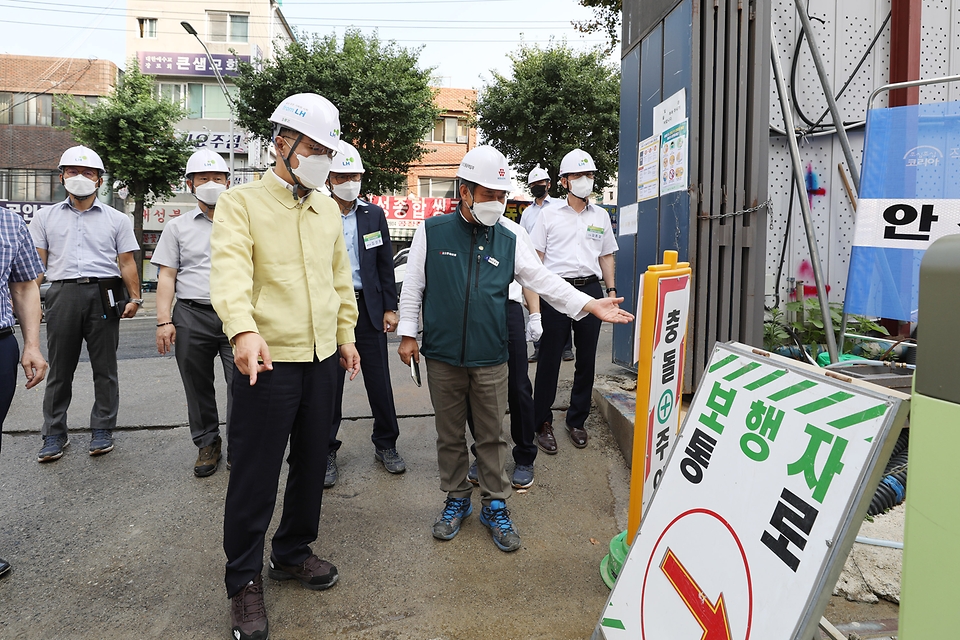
{"x": 572, "y": 242}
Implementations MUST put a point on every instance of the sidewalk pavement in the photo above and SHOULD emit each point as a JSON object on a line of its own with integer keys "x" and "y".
{"x": 129, "y": 544}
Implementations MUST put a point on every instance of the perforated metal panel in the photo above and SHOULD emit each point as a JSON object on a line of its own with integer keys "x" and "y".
{"x": 844, "y": 31}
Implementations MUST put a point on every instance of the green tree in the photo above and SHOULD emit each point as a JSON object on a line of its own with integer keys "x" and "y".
{"x": 136, "y": 137}
{"x": 385, "y": 100}
{"x": 606, "y": 18}
{"x": 556, "y": 100}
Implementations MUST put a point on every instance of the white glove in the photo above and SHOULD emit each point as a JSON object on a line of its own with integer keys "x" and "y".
{"x": 534, "y": 328}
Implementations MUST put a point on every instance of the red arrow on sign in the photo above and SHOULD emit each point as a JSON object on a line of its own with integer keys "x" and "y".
{"x": 712, "y": 618}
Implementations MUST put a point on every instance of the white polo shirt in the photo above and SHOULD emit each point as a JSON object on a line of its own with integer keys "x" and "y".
{"x": 185, "y": 246}
{"x": 572, "y": 242}
{"x": 528, "y": 219}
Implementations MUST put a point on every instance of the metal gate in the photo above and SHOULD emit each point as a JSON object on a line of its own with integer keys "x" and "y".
{"x": 719, "y": 54}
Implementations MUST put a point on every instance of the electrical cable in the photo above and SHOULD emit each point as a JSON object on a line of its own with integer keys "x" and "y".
{"x": 794, "y": 64}
{"x": 786, "y": 236}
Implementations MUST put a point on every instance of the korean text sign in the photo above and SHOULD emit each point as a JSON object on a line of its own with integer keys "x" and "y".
{"x": 909, "y": 197}
{"x": 664, "y": 308}
{"x": 755, "y": 504}
{"x": 159, "y": 63}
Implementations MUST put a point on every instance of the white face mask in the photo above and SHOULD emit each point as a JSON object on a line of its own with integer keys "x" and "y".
{"x": 313, "y": 170}
{"x": 488, "y": 213}
{"x": 79, "y": 186}
{"x": 581, "y": 187}
{"x": 208, "y": 192}
{"x": 347, "y": 191}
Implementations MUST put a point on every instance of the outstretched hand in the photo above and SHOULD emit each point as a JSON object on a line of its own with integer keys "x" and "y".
{"x": 608, "y": 310}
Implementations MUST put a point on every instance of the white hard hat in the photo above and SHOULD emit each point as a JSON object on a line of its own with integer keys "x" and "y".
{"x": 80, "y": 156}
{"x": 576, "y": 161}
{"x": 348, "y": 160}
{"x": 487, "y": 167}
{"x": 537, "y": 174}
{"x": 312, "y": 115}
{"x": 206, "y": 160}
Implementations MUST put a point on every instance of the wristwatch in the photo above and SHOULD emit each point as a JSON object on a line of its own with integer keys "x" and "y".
{"x": 137, "y": 301}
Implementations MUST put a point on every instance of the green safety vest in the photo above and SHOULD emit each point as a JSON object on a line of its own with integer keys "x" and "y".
{"x": 468, "y": 270}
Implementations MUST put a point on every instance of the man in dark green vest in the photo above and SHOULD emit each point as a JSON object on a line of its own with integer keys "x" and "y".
{"x": 458, "y": 274}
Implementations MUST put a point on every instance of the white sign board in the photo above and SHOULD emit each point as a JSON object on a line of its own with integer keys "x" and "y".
{"x": 755, "y": 505}
{"x": 670, "y": 112}
{"x": 666, "y": 381}
{"x": 628, "y": 220}
{"x": 905, "y": 223}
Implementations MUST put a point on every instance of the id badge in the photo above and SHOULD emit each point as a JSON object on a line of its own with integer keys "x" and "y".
{"x": 594, "y": 233}
{"x": 372, "y": 240}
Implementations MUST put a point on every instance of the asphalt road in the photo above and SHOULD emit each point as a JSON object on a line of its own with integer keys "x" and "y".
{"x": 129, "y": 544}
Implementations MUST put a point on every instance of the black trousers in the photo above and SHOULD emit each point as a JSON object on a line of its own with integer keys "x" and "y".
{"x": 519, "y": 390}
{"x": 586, "y": 333}
{"x": 293, "y": 402}
{"x": 372, "y": 346}
{"x": 9, "y": 359}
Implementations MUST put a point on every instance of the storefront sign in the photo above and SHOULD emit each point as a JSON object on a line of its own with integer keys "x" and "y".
{"x": 188, "y": 64}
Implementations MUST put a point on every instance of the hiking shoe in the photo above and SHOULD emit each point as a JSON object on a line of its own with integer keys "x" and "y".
{"x": 454, "y": 511}
{"x": 53, "y": 447}
{"x": 391, "y": 460}
{"x": 248, "y": 615}
{"x": 333, "y": 472}
{"x": 101, "y": 442}
{"x": 497, "y": 518}
{"x": 472, "y": 476}
{"x": 522, "y": 476}
{"x": 5, "y": 567}
{"x": 208, "y": 459}
{"x": 568, "y": 355}
{"x": 313, "y": 573}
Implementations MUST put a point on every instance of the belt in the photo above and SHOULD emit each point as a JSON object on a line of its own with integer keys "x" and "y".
{"x": 91, "y": 280}
{"x": 582, "y": 282}
{"x": 6, "y": 331}
{"x": 357, "y": 293}
{"x": 195, "y": 304}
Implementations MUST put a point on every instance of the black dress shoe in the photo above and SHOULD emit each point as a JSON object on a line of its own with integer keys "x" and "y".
{"x": 545, "y": 439}
{"x": 4, "y": 567}
{"x": 578, "y": 436}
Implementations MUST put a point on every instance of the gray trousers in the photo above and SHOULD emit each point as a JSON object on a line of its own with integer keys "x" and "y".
{"x": 486, "y": 388}
{"x": 75, "y": 315}
{"x": 200, "y": 339}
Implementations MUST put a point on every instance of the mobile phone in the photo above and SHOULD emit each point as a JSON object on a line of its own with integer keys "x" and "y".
{"x": 415, "y": 371}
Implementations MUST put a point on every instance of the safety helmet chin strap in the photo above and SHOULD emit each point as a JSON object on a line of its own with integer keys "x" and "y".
{"x": 286, "y": 162}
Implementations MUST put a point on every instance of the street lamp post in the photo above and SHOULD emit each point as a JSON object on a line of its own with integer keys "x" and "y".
{"x": 223, "y": 87}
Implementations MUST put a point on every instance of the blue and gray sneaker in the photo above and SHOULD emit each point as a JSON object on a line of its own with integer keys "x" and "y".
{"x": 454, "y": 511}
{"x": 52, "y": 448}
{"x": 101, "y": 442}
{"x": 497, "y": 518}
{"x": 522, "y": 476}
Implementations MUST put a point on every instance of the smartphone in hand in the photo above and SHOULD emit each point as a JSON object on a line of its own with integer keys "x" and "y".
{"x": 415, "y": 371}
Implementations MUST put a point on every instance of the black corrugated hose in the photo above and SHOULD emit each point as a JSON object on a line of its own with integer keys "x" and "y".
{"x": 893, "y": 487}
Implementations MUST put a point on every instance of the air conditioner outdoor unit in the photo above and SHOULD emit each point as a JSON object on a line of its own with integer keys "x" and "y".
{"x": 461, "y": 139}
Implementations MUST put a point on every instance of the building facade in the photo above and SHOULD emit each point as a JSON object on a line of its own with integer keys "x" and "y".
{"x": 30, "y": 142}
{"x": 164, "y": 47}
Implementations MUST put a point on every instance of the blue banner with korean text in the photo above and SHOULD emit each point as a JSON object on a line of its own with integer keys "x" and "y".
{"x": 909, "y": 197}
